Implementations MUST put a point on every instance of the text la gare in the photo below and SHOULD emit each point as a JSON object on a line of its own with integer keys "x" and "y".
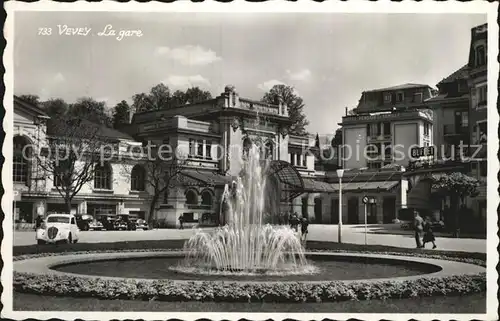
{"x": 122, "y": 33}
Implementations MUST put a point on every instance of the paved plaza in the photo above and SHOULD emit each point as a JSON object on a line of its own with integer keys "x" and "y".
{"x": 377, "y": 234}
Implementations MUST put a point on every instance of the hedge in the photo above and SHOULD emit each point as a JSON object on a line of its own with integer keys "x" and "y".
{"x": 165, "y": 290}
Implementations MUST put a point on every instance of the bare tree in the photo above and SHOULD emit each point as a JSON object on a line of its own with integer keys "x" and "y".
{"x": 162, "y": 167}
{"x": 71, "y": 151}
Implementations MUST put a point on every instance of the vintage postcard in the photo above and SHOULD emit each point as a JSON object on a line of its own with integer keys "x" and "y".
{"x": 250, "y": 160}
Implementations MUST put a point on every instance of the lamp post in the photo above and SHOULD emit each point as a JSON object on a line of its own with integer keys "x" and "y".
{"x": 340, "y": 173}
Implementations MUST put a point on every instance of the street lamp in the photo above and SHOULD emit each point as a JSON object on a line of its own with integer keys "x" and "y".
{"x": 340, "y": 173}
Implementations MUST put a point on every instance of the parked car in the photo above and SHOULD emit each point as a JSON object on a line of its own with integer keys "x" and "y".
{"x": 142, "y": 224}
{"x": 87, "y": 222}
{"x": 107, "y": 221}
{"x": 120, "y": 225}
{"x": 58, "y": 228}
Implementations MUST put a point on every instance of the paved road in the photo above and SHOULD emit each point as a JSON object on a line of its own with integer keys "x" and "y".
{"x": 381, "y": 235}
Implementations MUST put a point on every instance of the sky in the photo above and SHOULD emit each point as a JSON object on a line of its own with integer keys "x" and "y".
{"x": 329, "y": 58}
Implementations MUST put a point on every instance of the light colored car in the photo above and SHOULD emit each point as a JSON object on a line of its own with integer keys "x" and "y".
{"x": 142, "y": 224}
{"x": 58, "y": 228}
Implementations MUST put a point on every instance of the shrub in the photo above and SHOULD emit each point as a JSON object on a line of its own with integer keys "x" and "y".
{"x": 165, "y": 290}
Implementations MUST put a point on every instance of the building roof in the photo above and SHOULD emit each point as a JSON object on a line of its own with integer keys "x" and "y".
{"x": 29, "y": 106}
{"x": 444, "y": 97}
{"x": 399, "y": 87}
{"x": 202, "y": 178}
{"x": 103, "y": 130}
{"x": 462, "y": 73}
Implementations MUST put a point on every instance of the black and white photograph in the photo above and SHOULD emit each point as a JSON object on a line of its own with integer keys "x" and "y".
{"x": 250, "y": 161}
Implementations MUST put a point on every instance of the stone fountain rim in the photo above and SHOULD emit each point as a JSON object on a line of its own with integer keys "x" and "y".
{"x": 44, "y": 265}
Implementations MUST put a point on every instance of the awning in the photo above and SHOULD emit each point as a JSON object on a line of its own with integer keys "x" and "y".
{"x": 202, "y": 178}
{"x": 363, "y": 186}
{"x": 292, "y": 184}
{"x": 314, "y": 186}
{"x": 311, "y": 185}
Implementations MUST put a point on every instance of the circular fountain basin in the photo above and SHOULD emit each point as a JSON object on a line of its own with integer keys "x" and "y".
{"x": 152, "y": 266}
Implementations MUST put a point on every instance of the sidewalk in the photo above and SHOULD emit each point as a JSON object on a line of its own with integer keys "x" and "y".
{"x": 356, "y": 234}
{"x": 327, "y": 233}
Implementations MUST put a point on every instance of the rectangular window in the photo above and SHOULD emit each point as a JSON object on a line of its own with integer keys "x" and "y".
{"x": 482, "y": 96}
{"x": 387, "y": 98}
{"x": 418, "y": 97}
{"x": 199, "y": 151}
{"x": 208, "y": 150}
{"x": 465, "y": 119}
{"x": 372, "y": 129}
{"x": 387, "y": 128}
{"x": 400, "y": 97}
{"x": 483, "y": 168}
{"x": 427, "y": 129}
{"x": 191, "y": 147}
{"x": 304, "y": 160}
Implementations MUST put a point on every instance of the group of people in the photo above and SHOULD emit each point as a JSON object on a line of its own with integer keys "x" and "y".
{"x": 295, "y": 221}
{"x": 423, "y": 226}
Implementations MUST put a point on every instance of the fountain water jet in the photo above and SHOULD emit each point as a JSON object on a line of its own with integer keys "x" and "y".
{"x": 246, "y": 244}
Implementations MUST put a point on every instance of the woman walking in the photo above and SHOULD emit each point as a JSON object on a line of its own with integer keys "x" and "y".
{"x": 428, "y": 233}
{"x": 303, "y": 229}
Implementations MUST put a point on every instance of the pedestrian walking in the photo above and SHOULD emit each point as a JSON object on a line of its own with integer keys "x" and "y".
{"x": 428, "y": 233}
{"x": 418, "y": 226}
{"x": 304, "y": 229}
{"x": 294, "y": 222}
{"x": 181, "y": 222}
{"x": 38, "y": 222}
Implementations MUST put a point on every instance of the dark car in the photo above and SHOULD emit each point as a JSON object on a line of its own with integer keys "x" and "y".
{"x": 108, "y": 221}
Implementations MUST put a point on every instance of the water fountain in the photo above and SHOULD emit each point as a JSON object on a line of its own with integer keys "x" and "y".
{"x": 246, "y": 244}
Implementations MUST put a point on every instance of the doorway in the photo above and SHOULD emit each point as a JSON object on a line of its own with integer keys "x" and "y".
{"x": 317, "y": 210}
{"x": 353, "y": 211}
{"x": 305, "y": 205}
{"x": 372, "y": 214}
{"x": 389, "y": 209}
{"x": 335, "y": 211}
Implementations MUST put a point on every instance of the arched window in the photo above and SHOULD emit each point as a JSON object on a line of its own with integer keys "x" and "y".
{"x": 247, "y": 144}
{"x": 191, "y": 198}
{"x": 137, "y": 178}
{"x": 269, "y": 150}
{"x": 480, "y": 56}
{"x": 22, "y": 156}
{"x": 102, "y": 176}
{"x": 206, "y": 198}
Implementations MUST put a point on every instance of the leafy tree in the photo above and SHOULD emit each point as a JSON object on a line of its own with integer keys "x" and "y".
{"x": 141, "y": 102}
{"x": 195, "y": 95}
{"x": 91, "y": 110}
{"x": 458, "y": 187}
{"x": 32, "y": 99}
{"x": 121, "y": 114}
{"x": 286, "y": 94}
{"x": 72, "y": 150}
{"x": 55, "y": 108}
{"x": 160, "y": 97}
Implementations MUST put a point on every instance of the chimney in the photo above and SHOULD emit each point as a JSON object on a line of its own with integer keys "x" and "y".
{"x": 130, "y": 116}
{"x": 346, "y": 111}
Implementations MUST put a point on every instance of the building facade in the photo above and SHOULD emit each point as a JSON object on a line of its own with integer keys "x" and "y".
{"x": 386, "y": 124}
{"x": 478, "y": 84}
